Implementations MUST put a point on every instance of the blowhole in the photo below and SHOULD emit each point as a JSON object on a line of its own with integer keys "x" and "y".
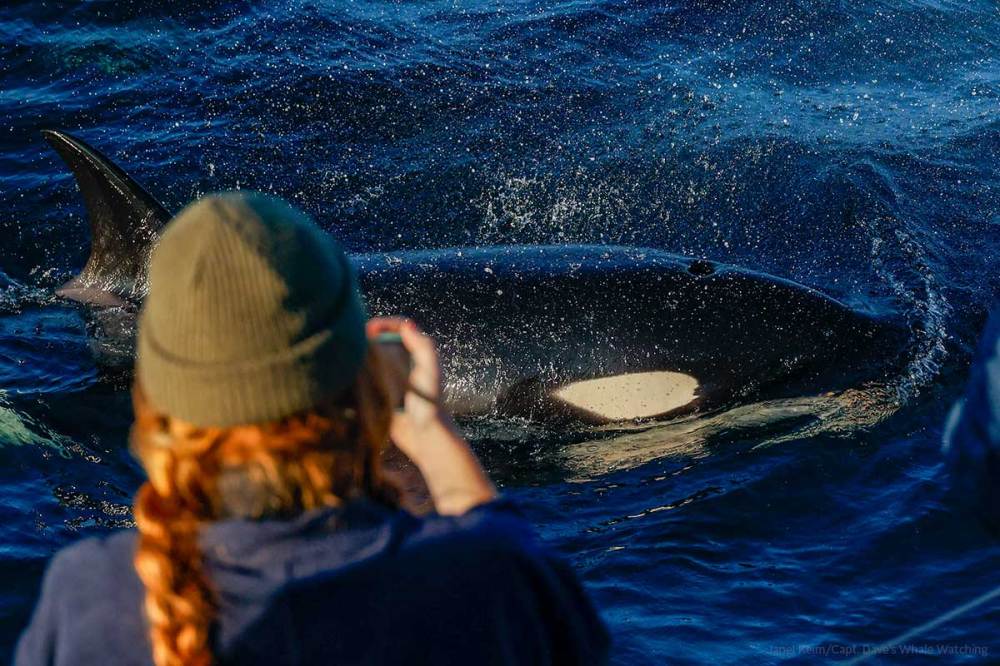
{"x": 701, "y": 267}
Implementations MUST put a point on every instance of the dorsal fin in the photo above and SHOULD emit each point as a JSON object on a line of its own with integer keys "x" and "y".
{"x": 125, "y": 221}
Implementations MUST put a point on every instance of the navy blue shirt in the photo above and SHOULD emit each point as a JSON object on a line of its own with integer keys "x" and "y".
{"x": 972, "y": 435}
{"x": 365, "y": 584}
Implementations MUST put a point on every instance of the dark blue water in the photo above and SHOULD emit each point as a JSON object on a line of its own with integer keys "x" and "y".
{"x": 852, "y": 146}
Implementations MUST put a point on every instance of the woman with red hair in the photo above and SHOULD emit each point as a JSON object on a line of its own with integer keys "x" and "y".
{"x": 268, "y": 531}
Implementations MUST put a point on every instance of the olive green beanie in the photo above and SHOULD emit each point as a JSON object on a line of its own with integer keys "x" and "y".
{"x": 253, "y": 314}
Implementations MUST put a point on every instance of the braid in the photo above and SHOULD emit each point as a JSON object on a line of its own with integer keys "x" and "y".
{"x": 178, "y": 604}
{"x": 196, "y": 475}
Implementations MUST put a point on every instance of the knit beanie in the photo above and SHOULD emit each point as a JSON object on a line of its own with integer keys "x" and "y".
{"x": 253, "y": 314}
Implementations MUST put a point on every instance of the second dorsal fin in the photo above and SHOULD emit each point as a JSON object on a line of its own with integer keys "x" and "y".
{"x": 125, "y": 222}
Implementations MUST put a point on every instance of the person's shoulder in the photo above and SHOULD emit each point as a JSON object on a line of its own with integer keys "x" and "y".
{"x": 85, "y": 571}
{"x": 89, "y": 605}
{"x": 88, "y": 558}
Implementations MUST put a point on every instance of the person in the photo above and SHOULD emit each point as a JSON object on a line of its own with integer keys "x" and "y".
{"x": 972, "y": 433}
{"x": 269, "y": 530}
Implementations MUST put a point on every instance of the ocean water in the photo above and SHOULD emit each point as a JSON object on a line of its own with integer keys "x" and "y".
{"x": 853, "y": 147}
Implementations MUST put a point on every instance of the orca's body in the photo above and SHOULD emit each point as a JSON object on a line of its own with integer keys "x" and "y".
{"x": 587, "y": 333}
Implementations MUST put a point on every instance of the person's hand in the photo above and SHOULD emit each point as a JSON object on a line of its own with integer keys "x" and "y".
{"x": 422, "y": 410}
{"x": 423, "y": 429}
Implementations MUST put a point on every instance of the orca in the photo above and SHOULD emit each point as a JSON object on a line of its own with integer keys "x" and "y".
{"x": 586, "y": 334}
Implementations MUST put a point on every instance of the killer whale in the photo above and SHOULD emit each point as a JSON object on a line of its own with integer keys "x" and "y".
{"x": 586, "y": 334}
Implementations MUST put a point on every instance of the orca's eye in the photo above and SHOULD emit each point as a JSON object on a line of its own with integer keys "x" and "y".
{"x": 701, "y": 267}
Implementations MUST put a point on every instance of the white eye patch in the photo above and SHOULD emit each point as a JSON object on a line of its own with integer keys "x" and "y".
{"x": 630, "y": 396}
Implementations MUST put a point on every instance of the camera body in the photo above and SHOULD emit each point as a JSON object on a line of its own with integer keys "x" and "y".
{"x": 396, "y": 363}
